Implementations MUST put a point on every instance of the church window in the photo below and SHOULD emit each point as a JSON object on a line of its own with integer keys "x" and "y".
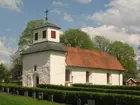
{"x": 108, "y": 78}
{"x": 44, "y": 34}
{"x": 35, "y": 67}
{"x": 36, "y": 36}
{"x": 53, "y": 34}
{"x": 87, "y": 76}
{"x": 67, "y": 75}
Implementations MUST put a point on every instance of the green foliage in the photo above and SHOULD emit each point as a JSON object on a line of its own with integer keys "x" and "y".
{"x": 70, "y": 97}
{"x": 16, "y": 59}
{"x": 122, "y": 51}
{"x": 102, "y": 44}
{"x": 108, "y": 87}
{"x": 125, "y": 54}
{"x": 16, "y": 69}
{"x": 77, "y": 38}
{"x": 4, "y": 73}
{"x": 25, "y": 39}
{"x": 95, "y": 88}
{"x": 16, "y": 72}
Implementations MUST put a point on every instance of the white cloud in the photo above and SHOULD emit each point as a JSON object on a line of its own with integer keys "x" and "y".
{"x": 84, "y": 1}
{"x": 120, "y": 21}
{"x": 6, "y": 48}
{"x": 3, "y": 50}
{"x": 58, "y": 3}
{"x": 56, "y": 11}
{"x": 3, "y": 61}
{"x": 113, "y": 33}
{"x": 11, "y": 4}
{"x": 120, "y": 13}
{"x": 68, "y": 17}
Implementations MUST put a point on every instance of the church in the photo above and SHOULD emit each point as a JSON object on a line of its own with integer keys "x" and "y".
{"x": 47, "y": 61}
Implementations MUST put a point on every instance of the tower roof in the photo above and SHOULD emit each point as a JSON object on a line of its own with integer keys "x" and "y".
{"x": 45, "y": 46}
{"x": 47, "y": 23}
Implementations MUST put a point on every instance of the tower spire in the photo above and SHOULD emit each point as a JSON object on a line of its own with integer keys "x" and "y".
{"x": 46, "y": 14}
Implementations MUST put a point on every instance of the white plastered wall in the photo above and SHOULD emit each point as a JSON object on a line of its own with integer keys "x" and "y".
{"x": 97, "y": 76}
{"x": 42, "y": 60}
{"x": 48, "y": 35}
{"x": 57, "y": 68}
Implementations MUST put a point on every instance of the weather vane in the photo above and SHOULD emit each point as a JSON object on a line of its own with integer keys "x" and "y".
{"x": 46, "y": 14}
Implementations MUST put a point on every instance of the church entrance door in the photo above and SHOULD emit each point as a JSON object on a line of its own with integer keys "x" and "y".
{"x": 35, "y": 80}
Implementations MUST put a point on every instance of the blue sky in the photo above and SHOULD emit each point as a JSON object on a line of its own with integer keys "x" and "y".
{"x": 114, "y": 19}
{"x": 34, "y": 9}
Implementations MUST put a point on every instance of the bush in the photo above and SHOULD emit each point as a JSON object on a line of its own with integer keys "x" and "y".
{"x": 70, "y": 97}
{"x": 108, "y": 87}
{"x": 130, "y": 92}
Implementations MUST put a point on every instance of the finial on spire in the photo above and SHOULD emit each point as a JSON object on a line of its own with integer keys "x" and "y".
{"x": 46, "y": 14}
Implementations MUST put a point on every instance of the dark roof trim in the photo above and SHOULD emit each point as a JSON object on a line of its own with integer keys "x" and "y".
{"x": 43, "y": 51}
{"x": 46, "y": 26}
{"x": 94, "y": 68}
{"x": 45, "y": 46}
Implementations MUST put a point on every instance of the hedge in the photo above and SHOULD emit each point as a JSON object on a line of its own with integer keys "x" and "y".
{"x": 108, "y": 87}
{"x": 70, "y": 97}
{"x": 130, "y": 92}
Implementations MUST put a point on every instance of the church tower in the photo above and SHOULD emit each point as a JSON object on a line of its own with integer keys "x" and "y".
{"x": 47, "y": 32}
{"x": 44, "y": 61}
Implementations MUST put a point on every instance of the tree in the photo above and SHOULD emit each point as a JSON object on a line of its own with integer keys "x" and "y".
{"x": 102, "y": 44}
{"x": 4, "y": 73}
{"x": 126, "y": 55}
{"x": 138, "y": 58}
{"x": 77, "y": 38}
{"x": 16, "y": 58}
{"x": 16, "y": 69}
{"x": 25, "y": 41}
{"x": 122, "y": 51}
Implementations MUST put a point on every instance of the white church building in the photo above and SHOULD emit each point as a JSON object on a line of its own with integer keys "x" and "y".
{"x": 48, "y": 61}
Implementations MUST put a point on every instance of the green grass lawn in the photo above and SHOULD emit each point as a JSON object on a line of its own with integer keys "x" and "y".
{"x": 6, "y": 99}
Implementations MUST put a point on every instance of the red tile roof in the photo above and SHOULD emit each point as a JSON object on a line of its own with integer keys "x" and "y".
{"x": 91, "y": 59}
